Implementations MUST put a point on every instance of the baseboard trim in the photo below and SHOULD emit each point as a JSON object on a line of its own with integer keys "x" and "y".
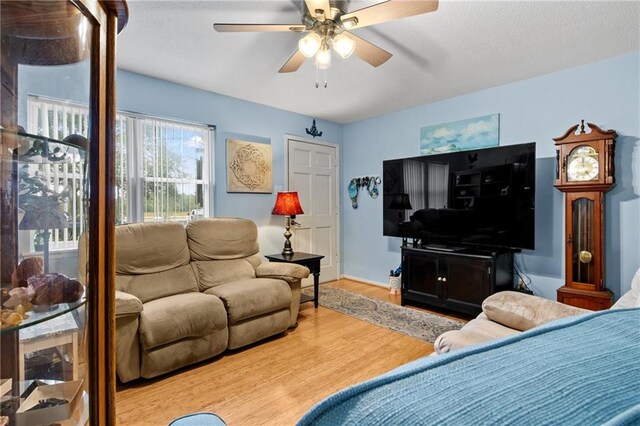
{"x": 365, "y": 281}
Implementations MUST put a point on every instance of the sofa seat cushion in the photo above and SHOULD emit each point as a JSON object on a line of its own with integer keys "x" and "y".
{"x": 249, "y": 298}
{"x": 177, "y": 317}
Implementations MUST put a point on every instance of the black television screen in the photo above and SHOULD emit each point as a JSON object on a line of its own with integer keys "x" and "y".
{"x": 483, "y": 197}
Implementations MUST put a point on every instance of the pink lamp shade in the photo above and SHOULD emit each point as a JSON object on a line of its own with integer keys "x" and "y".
{"x": 287, "y": 204}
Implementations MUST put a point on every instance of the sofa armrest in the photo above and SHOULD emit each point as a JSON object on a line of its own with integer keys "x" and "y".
{"x": 289, "y": 272}
{"x": 522, "y": 311}
{"x": 127, "y": 304}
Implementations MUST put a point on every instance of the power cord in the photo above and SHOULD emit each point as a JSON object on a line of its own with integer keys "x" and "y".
{"x": 524, "y": 281}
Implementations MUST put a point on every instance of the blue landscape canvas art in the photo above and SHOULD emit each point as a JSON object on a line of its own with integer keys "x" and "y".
{"x": 472, "y": 133}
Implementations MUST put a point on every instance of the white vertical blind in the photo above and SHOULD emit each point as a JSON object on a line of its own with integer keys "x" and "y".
{"x": 174, "y": 170}
{"x": 415, "y": 179}
{"x": 438, "y": 184}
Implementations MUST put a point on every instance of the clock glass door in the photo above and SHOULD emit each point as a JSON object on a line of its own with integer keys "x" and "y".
{"x": 582, "y": 242}
{"x": 582, "y": 164}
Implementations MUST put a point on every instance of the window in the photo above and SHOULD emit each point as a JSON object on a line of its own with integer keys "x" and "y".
{"x": 162, "y": 166}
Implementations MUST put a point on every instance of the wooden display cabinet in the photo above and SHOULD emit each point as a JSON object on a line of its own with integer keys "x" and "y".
{"x": 70, "y": 46}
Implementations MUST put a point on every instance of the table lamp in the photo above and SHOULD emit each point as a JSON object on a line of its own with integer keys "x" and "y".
{"x": 401, "y": 203}
{"x": 287, "y": 204}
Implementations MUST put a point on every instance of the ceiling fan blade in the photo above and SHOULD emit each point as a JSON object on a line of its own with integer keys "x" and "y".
{"x": 232, "y": 28}
{"x": 294, "y": 62}
{"x": 387, "y": 11}
{"x": 314, "y": 5}
{"x": 369, "y": 52}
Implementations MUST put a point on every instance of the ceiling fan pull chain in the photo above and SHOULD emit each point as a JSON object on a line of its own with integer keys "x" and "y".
{"x": 317, "y": 82}
{"x": 325, "y": 79}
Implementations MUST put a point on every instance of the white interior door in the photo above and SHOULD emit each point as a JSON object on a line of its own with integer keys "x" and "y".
{"x": 313, "y": 173}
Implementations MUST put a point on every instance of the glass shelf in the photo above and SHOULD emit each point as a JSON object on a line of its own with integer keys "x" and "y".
{"x": 40, "y": 315}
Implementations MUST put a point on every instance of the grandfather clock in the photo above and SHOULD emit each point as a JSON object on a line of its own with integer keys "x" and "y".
{"x": 585, "y": 171}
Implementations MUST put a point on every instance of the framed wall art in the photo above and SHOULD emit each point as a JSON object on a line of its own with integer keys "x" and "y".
{"x": 472, "y": 133}
{"x": 249, "y": 167}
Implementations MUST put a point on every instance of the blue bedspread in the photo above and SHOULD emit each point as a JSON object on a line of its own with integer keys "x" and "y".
{"x": 582, "y": 371}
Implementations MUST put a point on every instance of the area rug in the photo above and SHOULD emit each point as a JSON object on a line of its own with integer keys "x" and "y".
{"x": 411, "y": 322}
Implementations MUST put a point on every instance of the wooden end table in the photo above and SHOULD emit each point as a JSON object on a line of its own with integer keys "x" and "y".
{"x": 311, "y": 261}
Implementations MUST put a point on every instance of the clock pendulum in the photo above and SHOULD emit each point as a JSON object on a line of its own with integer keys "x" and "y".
{"x": 585, "y": 171}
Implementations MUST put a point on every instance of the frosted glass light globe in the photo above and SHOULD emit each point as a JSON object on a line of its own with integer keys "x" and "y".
{"x": 309, "y": 44}
{"x": 344, "y": 45}
{"x": 323, "y": 59}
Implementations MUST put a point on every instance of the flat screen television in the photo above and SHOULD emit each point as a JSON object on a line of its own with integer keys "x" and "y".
{"x": 483, "y": 197}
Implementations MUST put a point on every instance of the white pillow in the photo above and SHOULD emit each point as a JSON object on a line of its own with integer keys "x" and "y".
{"x": 635, "y": 281}
{"x": 631, "y": 298}
{"x": 635, "y": 287}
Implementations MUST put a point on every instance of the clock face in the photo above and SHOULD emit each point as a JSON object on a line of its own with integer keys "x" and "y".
{"x": 582, "y": 164}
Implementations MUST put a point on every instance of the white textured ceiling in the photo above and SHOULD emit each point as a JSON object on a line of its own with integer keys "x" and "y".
{"x": 463, "y": 47}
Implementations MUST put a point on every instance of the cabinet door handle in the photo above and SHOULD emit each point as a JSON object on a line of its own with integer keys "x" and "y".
{"x": 444, "y": 280}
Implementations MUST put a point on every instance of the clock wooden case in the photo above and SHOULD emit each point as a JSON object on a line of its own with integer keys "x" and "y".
{"x": 585, "y": 171}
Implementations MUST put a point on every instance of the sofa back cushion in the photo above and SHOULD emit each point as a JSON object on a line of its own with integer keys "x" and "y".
{"x": 211, "y": 273}
{"x": 152, "y": 260}
{"x": 148, "y": 287}
{"x": 146, "y": 248}
{"x": 222, "y": 238}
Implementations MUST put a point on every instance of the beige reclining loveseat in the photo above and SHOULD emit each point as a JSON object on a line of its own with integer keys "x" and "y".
{"x": 508, "y": 312}
{"x": 185, "y": 294}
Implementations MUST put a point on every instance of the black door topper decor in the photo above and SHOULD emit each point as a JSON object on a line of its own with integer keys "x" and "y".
{"x": 313, "y": 131}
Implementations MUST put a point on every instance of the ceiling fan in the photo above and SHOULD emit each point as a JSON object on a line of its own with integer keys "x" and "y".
{"x": 328, "y": 24}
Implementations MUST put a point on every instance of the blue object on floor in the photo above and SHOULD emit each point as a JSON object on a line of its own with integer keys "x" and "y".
{"x": 198, "y": 419}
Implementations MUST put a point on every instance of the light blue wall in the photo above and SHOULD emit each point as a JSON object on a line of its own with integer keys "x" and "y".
{"x": 233, "y": 118}
{"x": 538, "y": 109}
{"x": 606, "y": 93}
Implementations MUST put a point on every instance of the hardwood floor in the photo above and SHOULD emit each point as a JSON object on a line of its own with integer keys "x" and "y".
{"x": 276, "y": 381}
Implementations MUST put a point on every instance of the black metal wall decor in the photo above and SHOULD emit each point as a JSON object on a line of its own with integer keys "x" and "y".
{"x": 313, "y": 131}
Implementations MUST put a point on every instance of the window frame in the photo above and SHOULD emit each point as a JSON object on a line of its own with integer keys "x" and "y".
{"x": 136, "y": 180}
{"x": 134, "y": 144}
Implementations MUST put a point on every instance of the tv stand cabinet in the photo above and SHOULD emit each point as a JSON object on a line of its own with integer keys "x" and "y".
{"x": 458, "y": 281}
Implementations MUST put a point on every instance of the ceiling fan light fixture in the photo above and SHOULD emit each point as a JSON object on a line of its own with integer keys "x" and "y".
{"x": 350, "y": 23}
{"x": 310, "y": 44}
{"x": 344, "y": 45}
{"x": 323, "y": 58}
